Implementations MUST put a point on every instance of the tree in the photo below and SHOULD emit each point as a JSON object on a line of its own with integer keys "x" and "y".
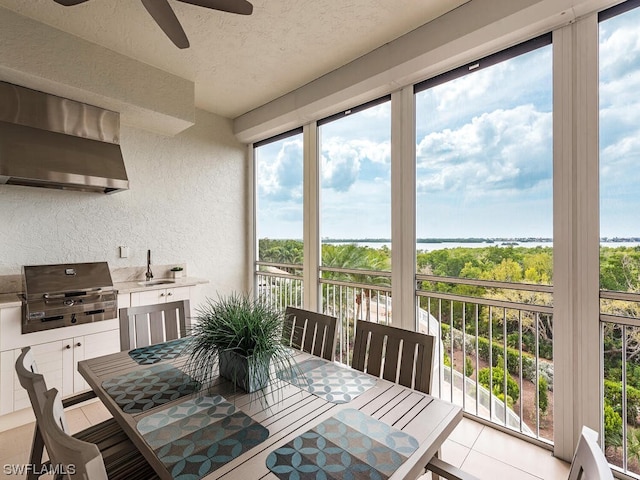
{"x": 354, "y": 257}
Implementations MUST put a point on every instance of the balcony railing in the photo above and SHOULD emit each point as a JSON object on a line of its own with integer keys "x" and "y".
{"x": 620, "y": 328}
{"x": 505, "y": 326}
{"x": 497, "y": 327}
{"x": 280, "y": 284}
{"x": 352, "y": 295}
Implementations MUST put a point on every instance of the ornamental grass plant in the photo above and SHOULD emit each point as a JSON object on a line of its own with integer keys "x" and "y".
{"x": 241, "y": 337}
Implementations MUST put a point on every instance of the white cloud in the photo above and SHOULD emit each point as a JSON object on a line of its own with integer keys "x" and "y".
{"x": 505, "y": 150}
{"x": 342, "y": 160}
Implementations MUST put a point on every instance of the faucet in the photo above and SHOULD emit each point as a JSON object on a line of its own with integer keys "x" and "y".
{"x": 149, "y": 274}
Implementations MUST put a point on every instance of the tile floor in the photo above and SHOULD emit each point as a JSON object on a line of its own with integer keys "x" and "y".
{"x": 483, "y": 451}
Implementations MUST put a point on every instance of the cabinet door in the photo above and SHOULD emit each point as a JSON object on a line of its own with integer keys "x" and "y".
{"x": 164, "y": 295}
{"x": 91, "y": 346}
{"x": 49, "y": 358}
{"x": 178, "y": 293}
{"x": 148, "y": 297}
{"x": 7, "y": 374}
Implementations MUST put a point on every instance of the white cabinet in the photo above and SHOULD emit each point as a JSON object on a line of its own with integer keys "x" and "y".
{"x": 163, "y": 295}
{"x": 83, "y": 348}
{"x": 58, "y": 362}
{"x": 58, "y": 351}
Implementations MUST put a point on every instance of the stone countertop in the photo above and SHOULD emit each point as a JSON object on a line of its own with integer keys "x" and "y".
{"x": 13, "y": 300}
{"x": 10, "y": 300}
{"x": 134, "y": 286}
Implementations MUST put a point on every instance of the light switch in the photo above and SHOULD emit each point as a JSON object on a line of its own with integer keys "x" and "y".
{"x": 124, "y": 252}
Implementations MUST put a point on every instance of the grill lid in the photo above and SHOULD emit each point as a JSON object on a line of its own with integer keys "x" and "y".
{"x": 40, "y": 280}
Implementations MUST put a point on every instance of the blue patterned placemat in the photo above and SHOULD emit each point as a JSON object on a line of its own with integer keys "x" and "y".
{"x": 162, "y": 351}
{"x": 348, "y": 445}
{"x": 329, "y": 381}
{"x": 200, "y": 435}
{"x": 146, "y": 388}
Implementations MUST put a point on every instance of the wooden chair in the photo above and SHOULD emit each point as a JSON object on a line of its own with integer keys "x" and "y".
{"x": 78, "y": 459}
{"x": 107, "y": 435}
{"x": 589, "y": 462}
{"x": 151, "y": 324}
{"x": 311, "y": 332}
{"x": 73, "y": 458}
{"x": 377, "y": 349}
{"x": 403, "y": 357}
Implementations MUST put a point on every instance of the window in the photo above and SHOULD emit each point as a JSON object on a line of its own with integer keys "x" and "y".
{"x": 484, "y": 208}
{"x": 279, "y": 217}
{"x": 619, "y": 60}
{"x": 355, "y": 218}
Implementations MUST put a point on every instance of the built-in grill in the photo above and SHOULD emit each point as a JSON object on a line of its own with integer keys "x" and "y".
{"x": 67, "y": 294}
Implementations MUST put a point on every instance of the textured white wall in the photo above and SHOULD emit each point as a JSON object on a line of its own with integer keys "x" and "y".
{"x": 187, "y": 203}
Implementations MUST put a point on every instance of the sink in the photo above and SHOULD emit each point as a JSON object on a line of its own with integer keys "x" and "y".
{"x": 150, "y": 283}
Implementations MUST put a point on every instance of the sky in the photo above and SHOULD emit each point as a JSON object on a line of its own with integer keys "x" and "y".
{"x": 483, "y": 155}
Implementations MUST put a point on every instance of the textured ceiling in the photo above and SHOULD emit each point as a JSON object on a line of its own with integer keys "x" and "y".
{"x": 241, "y": 62}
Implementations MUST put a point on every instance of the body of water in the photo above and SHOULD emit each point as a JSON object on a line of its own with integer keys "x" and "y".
{"x": 428, "y": 247}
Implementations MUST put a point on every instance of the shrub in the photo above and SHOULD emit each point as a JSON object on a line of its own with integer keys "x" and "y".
{"x": 543, "y": 397}
{"x": 468, "y": 366}
{"x": 447, "y": 360}
{"x": 497, "y": 376}
{"x": 612, "y": 427}
{"x": 613, "y": 397}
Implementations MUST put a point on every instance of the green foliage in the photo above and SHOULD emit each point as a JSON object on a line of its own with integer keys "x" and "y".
{"x": 633, "y": 443}
{"x": 468, "y": 366}
{"x": 447, "y": 360}
{"x": 543, "y": 395}
{"x": 497, "y": 374}
{"x": 240, "y": 324}
{"x": 613, "y": 397}
{"x": 612, "y": 427}
{"x": 620, "y": 269}
{"x": 280, "y": 251}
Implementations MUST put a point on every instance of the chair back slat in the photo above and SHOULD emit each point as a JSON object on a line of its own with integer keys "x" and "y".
{"x": 32, "y": 381}
{"x": 589, "y": 461}
{"x": 311, "y": 332}
{"x": 377, "y": 346}
{"x": 150, "y": 324}
{"x": 81, "y": 460}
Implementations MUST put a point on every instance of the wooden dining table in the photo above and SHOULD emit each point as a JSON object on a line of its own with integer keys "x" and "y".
{"x": 276, "y": 425}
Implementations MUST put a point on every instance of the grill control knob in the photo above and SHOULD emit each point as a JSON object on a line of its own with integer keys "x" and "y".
{"x": 69, "y": 302}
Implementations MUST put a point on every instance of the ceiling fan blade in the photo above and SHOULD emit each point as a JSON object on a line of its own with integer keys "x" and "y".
{"x": 232, "y": 6}
{"x": 69, "y": 3}
{"x": 162, "y": 13}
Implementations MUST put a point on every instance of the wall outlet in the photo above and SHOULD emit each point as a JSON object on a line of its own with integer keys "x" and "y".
{"x": 124, "y": 252}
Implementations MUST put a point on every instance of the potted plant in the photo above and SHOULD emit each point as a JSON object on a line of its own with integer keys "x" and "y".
{"x": 243, "y": 337}
{"x": 176, "y": 272}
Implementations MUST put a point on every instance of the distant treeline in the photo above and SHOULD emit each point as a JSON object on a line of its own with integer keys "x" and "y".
{"x": 440, "y": 240}
{"x": 619, "y": 266}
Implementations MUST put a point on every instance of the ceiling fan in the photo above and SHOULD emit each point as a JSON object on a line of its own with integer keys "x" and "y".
{"x": 164, "y": 16}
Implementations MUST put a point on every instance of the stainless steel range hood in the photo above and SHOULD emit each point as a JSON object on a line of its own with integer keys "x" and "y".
{"x": 53, "y": 142}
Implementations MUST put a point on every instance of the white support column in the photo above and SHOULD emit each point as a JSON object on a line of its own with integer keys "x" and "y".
{"x": 403, "y": 208}
{"x": 252, "y": 242}
{"x": 311, "y": 234}
{"x": 586, "y": 322}
{"x": 577, "y": 385}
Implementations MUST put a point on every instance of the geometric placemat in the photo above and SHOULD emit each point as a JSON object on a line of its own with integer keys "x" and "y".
{"x": 200, "y": 435}
{"x": 162, "y": 351}
{"x": 329, "y": 381}
{"x": 146, "y": 388}
{"x": 348, "y": 445}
